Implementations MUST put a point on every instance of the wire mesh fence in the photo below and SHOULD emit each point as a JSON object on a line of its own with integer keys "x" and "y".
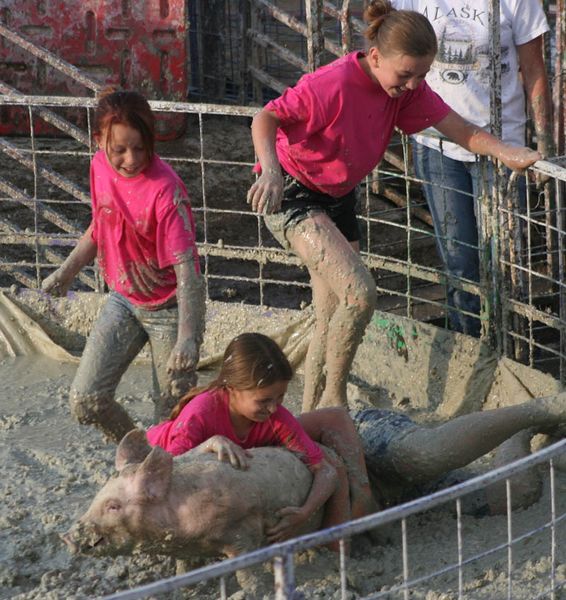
{"x": 44, "y": 208}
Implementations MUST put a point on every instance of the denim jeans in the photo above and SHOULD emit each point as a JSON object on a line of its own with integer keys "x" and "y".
{"x": 452, "y": 189}
{"x": 117, "y": 337}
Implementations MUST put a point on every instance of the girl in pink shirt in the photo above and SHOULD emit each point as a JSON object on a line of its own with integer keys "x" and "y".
{"x": 317, "y": 142}
{"x": 142, "y": 233}
{"x": 242, "y": 409}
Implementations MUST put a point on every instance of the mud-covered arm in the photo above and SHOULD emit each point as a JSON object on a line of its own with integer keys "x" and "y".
{"x": 535, "y": 80}
{"x": 325, "y": 481}
{"x": 479, "y": 141}
{"x": 191, "y": 306}
{"x": 266, "y": 194}
{"x": 59, "y": 282}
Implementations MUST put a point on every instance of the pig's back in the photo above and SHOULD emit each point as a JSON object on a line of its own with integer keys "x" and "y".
{"x": 276, "y": 477}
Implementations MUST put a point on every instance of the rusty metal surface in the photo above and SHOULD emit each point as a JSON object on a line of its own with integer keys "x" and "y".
{"x": 82, "y": 44}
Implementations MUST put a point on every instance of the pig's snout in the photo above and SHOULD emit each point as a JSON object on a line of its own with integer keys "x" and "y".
{"x": 72, "y": 545}
{"x": 81, "y": 539}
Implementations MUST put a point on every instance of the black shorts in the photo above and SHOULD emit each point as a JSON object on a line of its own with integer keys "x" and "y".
{"x": 300, "y": 202}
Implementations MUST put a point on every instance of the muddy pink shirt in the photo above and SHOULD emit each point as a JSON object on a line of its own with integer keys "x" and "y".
{"x": 143, "y": 225}
{"x": 208, "y": 414}
{"x": 336, "y": 124}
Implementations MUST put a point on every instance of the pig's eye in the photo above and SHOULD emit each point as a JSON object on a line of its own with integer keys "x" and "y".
{"x": 113, "y": 505}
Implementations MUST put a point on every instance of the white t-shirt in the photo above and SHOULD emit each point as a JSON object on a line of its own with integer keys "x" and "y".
{"x": 460, "y": 73}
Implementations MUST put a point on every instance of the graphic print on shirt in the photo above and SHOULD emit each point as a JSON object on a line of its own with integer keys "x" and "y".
{"x": 461, "y": 55}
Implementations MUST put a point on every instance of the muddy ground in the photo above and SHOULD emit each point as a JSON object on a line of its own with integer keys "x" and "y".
{"x": 50, "y": 467}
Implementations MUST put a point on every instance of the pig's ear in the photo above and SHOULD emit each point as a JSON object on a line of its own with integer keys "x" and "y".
{"x": 153, "y": 477}
{"x": 132, "y": 449}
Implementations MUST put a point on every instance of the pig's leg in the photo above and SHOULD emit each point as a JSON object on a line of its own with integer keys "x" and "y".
{"x": 248, "y": 535}
{"x": 334, "y": 428}
{"x": 161, "y": 326}
{"x": 116, "y": 339}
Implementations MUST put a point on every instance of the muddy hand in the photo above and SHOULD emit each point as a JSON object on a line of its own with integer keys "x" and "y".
{"x": 290, "y": 519}
{"x": 227, "y": 451}
{"x": 55, "y": 284}
{"x": 184, "y": 356}
{"x": 266, "y": 194}
{"x": 519, "y": 158}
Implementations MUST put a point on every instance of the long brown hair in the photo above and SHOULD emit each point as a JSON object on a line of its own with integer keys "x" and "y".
{"x": 251, "y": 360}
{"x": 126, "y": 108}
{"x": 394, "y": 31}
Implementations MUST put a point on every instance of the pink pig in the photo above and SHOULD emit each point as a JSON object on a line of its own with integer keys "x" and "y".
{"x": 189, "y": 506}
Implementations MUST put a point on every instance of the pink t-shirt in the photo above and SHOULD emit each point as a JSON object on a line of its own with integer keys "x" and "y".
{"x": 142, "y": 226}
{"x": 208, "y": 414}
{"x": 336, "y": 124}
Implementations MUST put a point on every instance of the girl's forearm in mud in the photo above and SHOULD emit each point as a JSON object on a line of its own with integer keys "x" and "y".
{"x": 266, "y": 194}
{"x": 264, "y": 133}
{"x": 190, "y": 302}
{"x": 324, "y": 483}
{"x": 479, "y": 141}
{"x": 82, "y": 254}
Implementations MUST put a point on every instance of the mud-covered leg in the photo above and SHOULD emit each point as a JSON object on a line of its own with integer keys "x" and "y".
{"x": 325, "y": 302}
{"x": 334, "y": 428}
{"x": 330, "y": 258}
{"x": 115, "y": 340}
{"x": 161, "y": 327}
{"x": 256, "y": 581}
{"x": 425, "y": 453}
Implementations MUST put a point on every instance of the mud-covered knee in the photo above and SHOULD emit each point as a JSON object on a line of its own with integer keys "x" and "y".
{"x": 361, "y": 296}
{"x": 88, "y": 408}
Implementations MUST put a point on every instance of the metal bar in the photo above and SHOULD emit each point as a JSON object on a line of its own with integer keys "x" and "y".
{"x": 315, "y": 33}
{"x": 284, "y": 575}
{"x": 51, "y": 118}
{"x": 12, "y": 234}
{"x": 295, "y": 24}
{"x": 266, "y": 79}
{"x": 156, "y": 105}
{"x": 558, "y": 85}
{"x": 52, "y": 60}
{"x": 405, "y": 552}
{"x": 460, "y": 548}
{"x": 266, "y": 42}
{"x": 47, "y": 213}
{"x": 509, "y": 540}
{"x": 553, "y": 556}
{"x": 61, "y": 182}
{"x": 343, "y": 574}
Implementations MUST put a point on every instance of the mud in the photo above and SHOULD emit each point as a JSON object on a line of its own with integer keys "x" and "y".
{"x": 50, "y": 466}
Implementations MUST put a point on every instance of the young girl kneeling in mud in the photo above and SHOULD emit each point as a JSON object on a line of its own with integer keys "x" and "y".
{"x": 142, "y": 233}
{"x": 242, "y": 409}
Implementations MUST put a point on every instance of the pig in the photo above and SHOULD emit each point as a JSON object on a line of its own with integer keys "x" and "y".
{"x": 191, "y": 506}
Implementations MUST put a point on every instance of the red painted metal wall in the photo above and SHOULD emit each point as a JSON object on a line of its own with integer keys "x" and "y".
{"x": 135, "y": 44}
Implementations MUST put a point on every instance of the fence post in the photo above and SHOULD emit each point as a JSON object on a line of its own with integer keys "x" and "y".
{"x": 494, "y": 290}
{"x": 244, "y": 12}
{"x": 284, "y": 576}
{"x": 315, "y": 33}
